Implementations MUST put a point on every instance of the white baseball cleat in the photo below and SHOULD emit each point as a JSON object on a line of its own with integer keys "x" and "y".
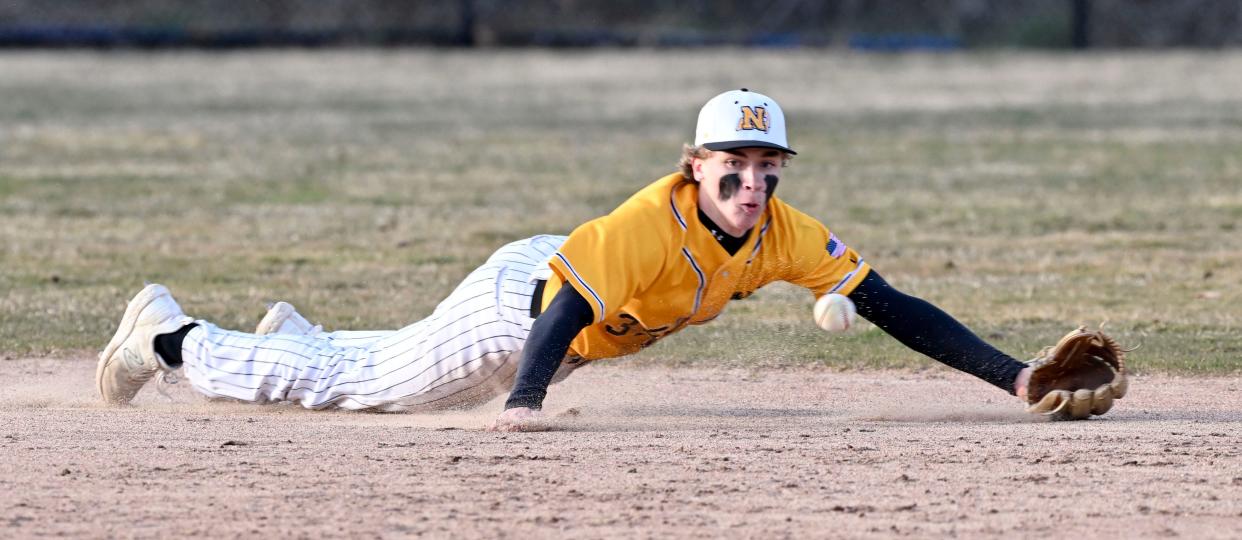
{"x": 282, "y": 318}
{"x": 129, "y": 360}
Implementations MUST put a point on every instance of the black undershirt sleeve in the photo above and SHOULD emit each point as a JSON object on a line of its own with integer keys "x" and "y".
{"x": 549, "y": 339}
{"x": 925, "y": 328}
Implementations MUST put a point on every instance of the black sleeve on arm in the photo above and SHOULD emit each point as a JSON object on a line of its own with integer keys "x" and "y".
{"x": 567, "y": 314}
{"x": 927, "y": 329}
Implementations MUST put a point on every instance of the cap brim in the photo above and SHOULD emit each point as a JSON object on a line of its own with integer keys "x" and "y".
{"x": 734, "y": 145}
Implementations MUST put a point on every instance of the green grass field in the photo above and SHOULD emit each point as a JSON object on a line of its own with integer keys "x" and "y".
{"x": 1025, "y": 194}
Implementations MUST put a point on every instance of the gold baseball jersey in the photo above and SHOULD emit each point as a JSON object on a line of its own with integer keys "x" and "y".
{"x": 650, "y": 267}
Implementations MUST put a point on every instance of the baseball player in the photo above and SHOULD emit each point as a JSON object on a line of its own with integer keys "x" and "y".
{"x": 672, "y": 255}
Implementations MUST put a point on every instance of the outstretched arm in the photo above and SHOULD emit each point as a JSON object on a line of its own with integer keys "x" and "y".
{"x": 549, "y": 339}
{"x": 927, "y": 329}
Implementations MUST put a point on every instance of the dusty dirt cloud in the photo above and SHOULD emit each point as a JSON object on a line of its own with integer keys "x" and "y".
{"x": 682, "y": 453}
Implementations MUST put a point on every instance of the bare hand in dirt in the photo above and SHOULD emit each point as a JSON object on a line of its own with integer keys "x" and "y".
{"x": 1021, "y": 382}
{"x": 520, "y": 419}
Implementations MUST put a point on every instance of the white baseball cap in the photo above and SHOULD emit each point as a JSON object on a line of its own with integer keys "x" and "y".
{"x": 741, "y": 119}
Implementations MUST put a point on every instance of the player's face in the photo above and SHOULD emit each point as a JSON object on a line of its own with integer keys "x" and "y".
{"x": 734, "y": 185}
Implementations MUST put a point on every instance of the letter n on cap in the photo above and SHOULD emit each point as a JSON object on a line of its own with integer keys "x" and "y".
{"x": 753, "y": 118}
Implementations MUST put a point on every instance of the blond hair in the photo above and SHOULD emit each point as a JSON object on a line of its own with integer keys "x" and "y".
{"x": 688, "y": 153}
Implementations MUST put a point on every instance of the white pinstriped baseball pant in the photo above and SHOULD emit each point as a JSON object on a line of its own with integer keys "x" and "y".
{"x": 465, "y": 353}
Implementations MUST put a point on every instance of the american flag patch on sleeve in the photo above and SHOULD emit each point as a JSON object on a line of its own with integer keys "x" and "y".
{"x": 836, "y": 248}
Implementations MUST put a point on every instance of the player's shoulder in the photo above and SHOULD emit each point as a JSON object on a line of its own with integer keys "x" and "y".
{"x": 788, "y": 218}
{"x": 657, "y": 194}
{"x": 791, "y": 232}
{"x": 657, "y": 202}
{"x": 648, "y": 218}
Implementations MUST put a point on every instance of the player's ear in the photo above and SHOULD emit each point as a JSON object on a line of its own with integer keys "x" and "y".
{"x": 696, "y": 165}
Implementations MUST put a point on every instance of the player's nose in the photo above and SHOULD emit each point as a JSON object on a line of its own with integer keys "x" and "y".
{"x": 752, "y": 179}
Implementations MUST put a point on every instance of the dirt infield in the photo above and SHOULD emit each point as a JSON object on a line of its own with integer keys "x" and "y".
{"x": 649, "y": 453}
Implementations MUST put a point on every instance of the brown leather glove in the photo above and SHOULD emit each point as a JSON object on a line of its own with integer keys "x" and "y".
{"x": 1079, "y": 376}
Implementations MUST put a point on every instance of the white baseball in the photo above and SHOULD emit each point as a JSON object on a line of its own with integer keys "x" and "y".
{"x": 835, "y": 312}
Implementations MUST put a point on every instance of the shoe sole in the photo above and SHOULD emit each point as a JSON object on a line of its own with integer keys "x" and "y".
{"x": 129, "y": 323}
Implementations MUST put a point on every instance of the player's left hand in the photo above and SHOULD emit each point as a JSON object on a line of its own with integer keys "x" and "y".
{"x": 1022, "y": 383}
{"x": 520, "y": 419}
{"x": 1079, "y": 376}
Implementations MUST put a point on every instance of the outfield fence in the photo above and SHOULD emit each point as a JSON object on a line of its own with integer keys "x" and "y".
{"x": 886, "y": 25}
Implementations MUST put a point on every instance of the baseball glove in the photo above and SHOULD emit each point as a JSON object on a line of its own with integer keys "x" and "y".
{"x": 1079, "y": 376}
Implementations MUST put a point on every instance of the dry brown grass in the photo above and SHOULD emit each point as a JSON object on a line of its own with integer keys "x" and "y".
{"x": 1023, "y": 193}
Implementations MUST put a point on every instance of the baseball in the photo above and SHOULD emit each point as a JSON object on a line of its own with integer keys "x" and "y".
{"x": 835, "y": 312}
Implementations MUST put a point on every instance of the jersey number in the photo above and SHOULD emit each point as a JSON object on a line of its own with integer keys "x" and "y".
{"x": 628, "y": 323}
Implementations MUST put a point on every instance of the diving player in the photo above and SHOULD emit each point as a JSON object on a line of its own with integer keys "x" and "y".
{"x": 672, "y": 255}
